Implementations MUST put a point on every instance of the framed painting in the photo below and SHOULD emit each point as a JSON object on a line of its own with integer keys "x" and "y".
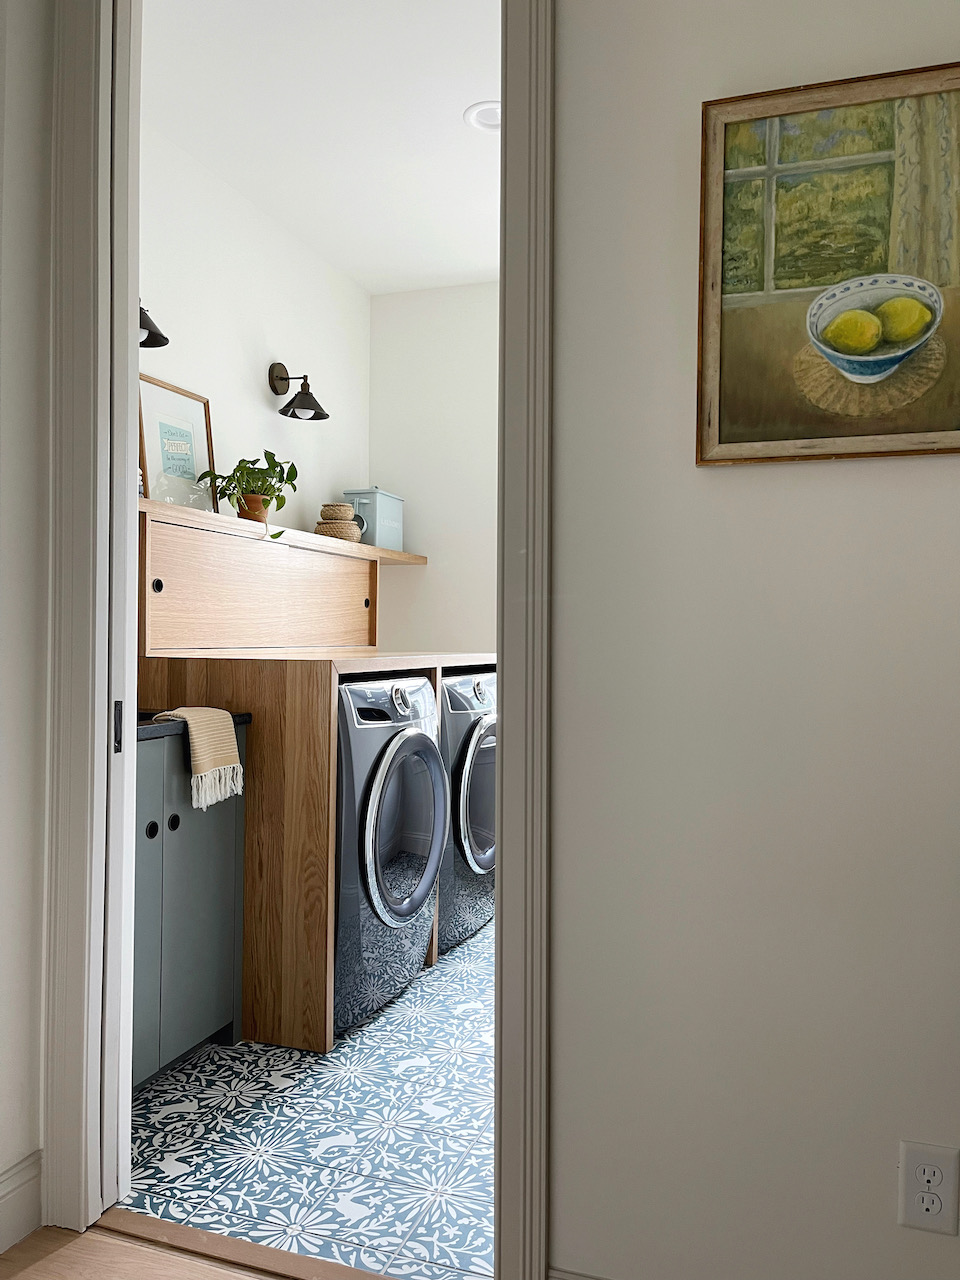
{"x": 176, "y": 444}
{"x": 830, "y": 271}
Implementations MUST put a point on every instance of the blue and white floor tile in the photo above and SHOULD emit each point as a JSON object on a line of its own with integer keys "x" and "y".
{"x": 378, "y": 1156}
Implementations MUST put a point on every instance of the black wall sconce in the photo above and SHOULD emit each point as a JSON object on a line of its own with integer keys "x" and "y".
{"x": 304, "y": 404}
{"x": 150, "y": 335}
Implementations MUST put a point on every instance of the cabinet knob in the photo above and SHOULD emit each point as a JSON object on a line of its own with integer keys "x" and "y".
{"x": 157, "y": 584}
{"x": 173, "y": 821}
{"x": 152, "y": 830}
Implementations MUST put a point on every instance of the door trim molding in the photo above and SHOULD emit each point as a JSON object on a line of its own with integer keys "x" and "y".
{"x": 117, "y": 1030}
{"x": 89, "y": 292}
{"x": 524, "y": 597}
{"x": 79, "y": 564}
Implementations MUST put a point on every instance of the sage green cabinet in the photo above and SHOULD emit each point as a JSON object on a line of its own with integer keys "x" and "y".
{"x": 148, "y": 893}
{"x": 188, "y": 911}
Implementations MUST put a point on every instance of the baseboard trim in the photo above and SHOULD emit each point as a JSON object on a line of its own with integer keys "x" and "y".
{"x": 555, "y": 1273}
{"x": 19, "y": 1200}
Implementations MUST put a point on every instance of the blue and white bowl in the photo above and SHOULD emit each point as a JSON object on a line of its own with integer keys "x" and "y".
{"x": 866, "y": 293}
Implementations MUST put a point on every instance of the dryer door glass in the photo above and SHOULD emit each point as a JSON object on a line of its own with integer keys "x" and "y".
{"x": 476, "y": 791}
{"x": 405, "y": 826}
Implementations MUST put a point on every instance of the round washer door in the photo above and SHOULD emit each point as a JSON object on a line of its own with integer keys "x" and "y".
{"x": 476, "y": 797}
{"x": 405, "y": 826}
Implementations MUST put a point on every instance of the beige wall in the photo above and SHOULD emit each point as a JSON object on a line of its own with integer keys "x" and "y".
{"x": 433, "y": 441}
{"x": 757, "y": 725}
{"x": 25, "y": 83}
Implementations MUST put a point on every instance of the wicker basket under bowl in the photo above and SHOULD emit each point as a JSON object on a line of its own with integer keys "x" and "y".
{"x": 348, "y": 530}
{"x": 336, "y": 511}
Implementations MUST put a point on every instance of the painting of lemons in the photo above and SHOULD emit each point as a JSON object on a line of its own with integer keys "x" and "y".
{"x": 830, "y": 304}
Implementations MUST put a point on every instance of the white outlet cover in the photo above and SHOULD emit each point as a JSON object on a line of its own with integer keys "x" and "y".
{"x": 923, "y": 1166}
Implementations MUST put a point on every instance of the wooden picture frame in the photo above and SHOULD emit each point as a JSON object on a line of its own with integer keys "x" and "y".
{"x": 814, "y": 200}
{"x": 176, "y": 444}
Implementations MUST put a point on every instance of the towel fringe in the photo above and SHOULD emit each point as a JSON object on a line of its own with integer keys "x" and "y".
{"x": 216, "y": 785}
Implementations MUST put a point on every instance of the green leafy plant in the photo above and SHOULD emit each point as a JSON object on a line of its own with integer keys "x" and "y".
{"x": 268, "y": 481}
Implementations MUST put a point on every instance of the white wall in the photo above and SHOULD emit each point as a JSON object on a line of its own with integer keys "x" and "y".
{"x": 433, "y": 441}
{"x": 25, "y": 68}
{"x": 756, "y": 847}
{"x": 234, "y": 291}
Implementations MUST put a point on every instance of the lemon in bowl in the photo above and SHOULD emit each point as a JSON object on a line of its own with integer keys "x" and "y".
{"x": 903, "y": 319}
{"x": 854, "y": 332}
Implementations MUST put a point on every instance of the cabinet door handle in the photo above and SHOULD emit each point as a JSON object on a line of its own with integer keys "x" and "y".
{"x": 173, "y": 821}
{"x": 152, "y": 830}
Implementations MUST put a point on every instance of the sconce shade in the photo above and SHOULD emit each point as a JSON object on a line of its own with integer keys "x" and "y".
{"x": 150, "y": 335}
{"x": 304, "y": 405}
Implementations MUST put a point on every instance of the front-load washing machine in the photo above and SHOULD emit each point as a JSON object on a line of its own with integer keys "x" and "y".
{"x": 393, "y": 811}
{"x": 468, "y": 743}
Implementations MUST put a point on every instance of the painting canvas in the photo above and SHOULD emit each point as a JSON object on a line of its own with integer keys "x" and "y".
{"x": 176, "y": 444}
{"x": 830, "y": 285}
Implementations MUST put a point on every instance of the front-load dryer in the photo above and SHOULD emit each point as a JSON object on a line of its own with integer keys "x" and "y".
{"x": 393, "y": 810}
{"x": 468, "y": 743}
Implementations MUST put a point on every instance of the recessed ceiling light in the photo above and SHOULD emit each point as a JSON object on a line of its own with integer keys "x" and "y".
{"x": 484, "y": 115}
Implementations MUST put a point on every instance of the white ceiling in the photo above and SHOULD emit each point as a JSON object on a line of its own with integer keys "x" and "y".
{"x": 343, "y": 119}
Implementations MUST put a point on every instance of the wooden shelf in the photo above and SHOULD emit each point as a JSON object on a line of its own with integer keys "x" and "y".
{"x": 188, "y": 516}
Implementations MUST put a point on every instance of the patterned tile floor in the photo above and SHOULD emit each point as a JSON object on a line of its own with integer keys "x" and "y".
{"x": 379, "y": 1155}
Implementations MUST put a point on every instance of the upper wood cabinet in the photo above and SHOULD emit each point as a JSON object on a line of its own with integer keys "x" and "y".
{"x": 216, "y": 586}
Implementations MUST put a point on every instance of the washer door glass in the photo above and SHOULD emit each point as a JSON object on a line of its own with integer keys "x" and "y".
{"x": 405, "y": 826}
{"x": 476, "y": 788}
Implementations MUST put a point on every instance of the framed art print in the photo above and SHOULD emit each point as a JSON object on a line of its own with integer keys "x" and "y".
{"x": 830, "y": 271}
{"x": 176, "y": 444}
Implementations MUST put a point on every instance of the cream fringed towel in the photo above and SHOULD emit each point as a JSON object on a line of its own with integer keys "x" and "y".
{"x": 214, "y": 758}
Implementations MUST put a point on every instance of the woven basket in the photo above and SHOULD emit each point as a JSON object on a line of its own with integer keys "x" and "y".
{"x": 345, "y": 529}
{"x": 336, "y": 511}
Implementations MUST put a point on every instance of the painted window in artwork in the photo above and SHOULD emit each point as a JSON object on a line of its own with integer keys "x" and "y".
{"x": 832, "y": 225}
{"x": 820, "y": 211}
{"x": 842, "y": 131}
{"x": 745, "y": 145}
{"x": 743, "y": 236}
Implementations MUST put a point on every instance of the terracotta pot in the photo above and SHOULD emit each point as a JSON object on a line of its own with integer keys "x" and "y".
{"x": 250, "y": 507}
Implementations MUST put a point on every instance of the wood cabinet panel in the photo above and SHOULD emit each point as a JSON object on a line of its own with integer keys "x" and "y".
{"x": 206, "y": 590}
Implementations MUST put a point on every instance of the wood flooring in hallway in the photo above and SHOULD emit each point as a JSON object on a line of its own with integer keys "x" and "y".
{"x": 101, "y": 1254}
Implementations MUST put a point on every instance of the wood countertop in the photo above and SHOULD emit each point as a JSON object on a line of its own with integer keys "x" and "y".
{"x": 350, "y": 663}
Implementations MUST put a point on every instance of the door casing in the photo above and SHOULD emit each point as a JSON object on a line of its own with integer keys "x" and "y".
{"x": 91, "y": 787}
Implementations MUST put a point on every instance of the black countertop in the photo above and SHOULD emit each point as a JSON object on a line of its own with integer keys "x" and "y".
{"x": 168, "y": 728}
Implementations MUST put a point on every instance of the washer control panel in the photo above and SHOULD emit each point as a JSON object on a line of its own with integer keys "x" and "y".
{"x": 472, "y": 692}
{"x": 402, "y": 700}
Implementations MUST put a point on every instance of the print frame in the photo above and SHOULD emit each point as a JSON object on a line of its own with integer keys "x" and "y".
{"x": 770, "y": 388}
{"x": 176, "y": 444}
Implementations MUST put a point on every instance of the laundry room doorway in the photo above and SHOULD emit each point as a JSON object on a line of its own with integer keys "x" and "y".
{"x": 313, "y": 1053}
{"x": 253, "y": 1132}
{"x": 315, "y": 1004}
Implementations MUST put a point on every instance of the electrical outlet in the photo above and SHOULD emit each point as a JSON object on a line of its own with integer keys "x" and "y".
{"x": 929, "y": 1202}
{"x": 922, "y": 1168}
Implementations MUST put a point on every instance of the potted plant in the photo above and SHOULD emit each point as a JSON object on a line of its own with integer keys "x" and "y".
{"x": 250, "y": 488}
